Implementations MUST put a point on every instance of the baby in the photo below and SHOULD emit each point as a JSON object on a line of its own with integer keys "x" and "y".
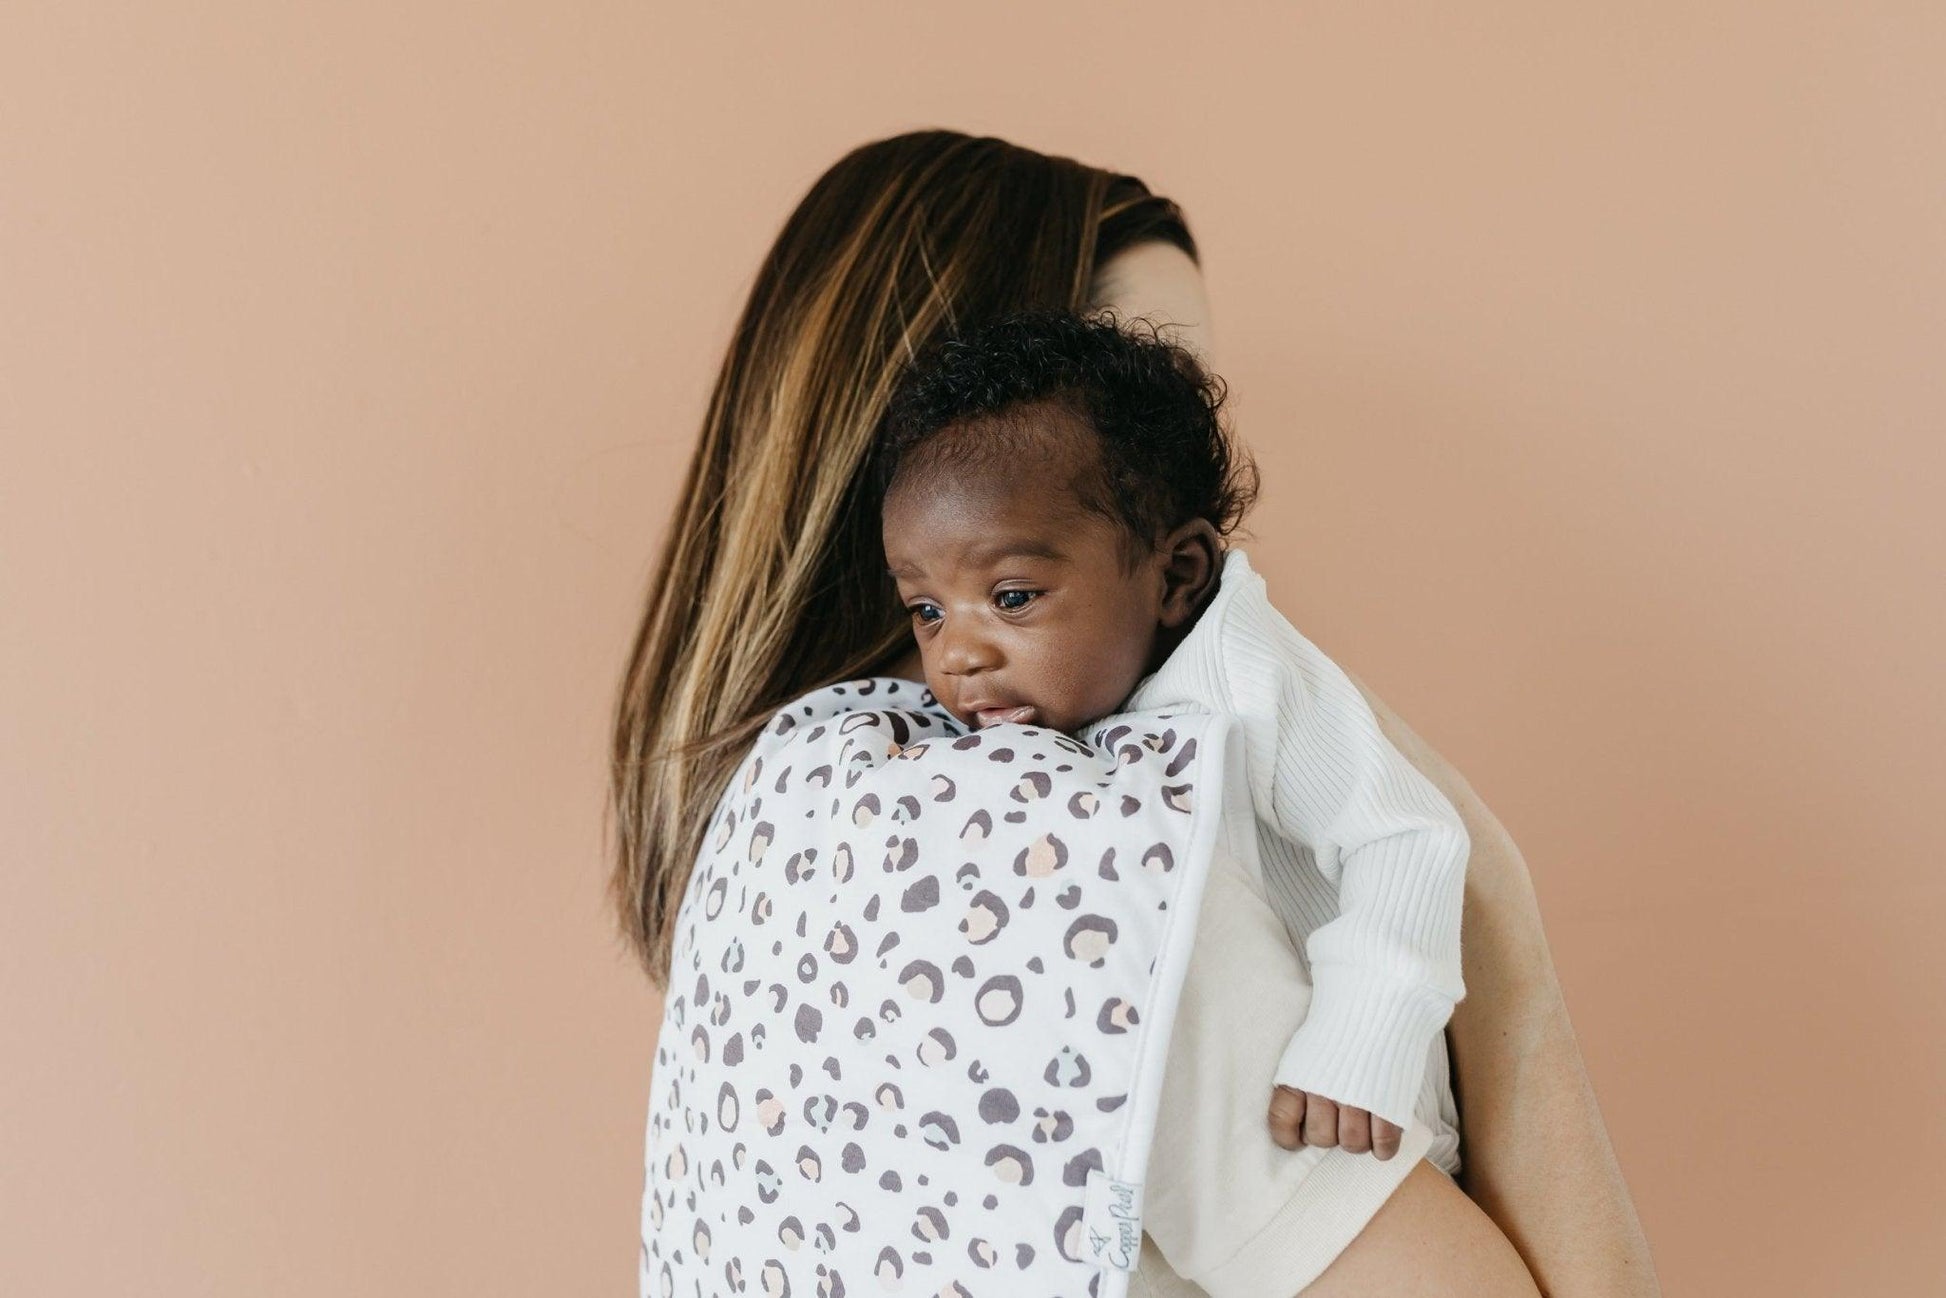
{"x": 1055, "y": 492}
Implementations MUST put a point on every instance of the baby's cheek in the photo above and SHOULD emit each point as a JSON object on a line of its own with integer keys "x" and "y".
{"x": 1061, "y": 682}
{"x": 1101, "y": 677}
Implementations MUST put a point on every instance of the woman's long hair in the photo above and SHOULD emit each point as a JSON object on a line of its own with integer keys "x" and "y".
{"x": 771, "y": 582}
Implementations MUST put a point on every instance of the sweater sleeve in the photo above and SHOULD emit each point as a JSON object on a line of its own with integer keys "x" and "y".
{"x": 1386, "y": 971}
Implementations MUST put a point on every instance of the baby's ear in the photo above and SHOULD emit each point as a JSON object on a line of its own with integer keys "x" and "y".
{"x": 1192, "y": 567}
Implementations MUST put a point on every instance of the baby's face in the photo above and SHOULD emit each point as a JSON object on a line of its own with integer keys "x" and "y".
{"x": 1019, "y": 604}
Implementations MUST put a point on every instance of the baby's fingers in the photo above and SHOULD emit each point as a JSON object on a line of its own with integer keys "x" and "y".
{"x": 1354, "y": 1130}
{"x": 1320, "y": 1121}
{"x": 1286, "y": 1116}
{"x": 1386, "y": 1137}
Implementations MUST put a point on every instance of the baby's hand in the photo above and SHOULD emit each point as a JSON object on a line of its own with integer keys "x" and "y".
{"x": 1324, "y": 1122}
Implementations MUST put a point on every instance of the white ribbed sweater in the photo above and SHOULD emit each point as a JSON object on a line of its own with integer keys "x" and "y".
{"x": 1363, "y": 857}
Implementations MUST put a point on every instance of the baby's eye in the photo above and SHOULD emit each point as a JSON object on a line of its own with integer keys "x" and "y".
{"x": 1029, "y": 594}
{"x": 917, "y": 612}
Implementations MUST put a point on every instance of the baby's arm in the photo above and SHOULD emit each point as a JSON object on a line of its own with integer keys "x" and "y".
{"x": 1386, "y": 972}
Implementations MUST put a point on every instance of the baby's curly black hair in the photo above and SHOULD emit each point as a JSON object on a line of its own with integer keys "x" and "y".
{"x": 1165, "y": 455}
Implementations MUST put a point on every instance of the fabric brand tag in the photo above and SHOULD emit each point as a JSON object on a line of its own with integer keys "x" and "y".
{"x": 1111, "y": 1221}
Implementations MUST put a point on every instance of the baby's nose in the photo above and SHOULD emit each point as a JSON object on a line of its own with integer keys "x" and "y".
{"x": 966, "y": 650}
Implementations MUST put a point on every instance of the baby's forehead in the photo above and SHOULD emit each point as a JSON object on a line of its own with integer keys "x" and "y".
{"x": 1029, "y": 470}
{"x": 948, "y": 533}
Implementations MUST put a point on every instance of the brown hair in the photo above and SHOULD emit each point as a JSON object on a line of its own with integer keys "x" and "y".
{"x": 771, "y": 582}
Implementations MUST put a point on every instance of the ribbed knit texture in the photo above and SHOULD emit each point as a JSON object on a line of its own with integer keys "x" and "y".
{"x": 1363, "y": 857}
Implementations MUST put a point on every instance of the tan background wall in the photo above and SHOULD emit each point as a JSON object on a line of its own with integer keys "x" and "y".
{"x": 349, "y": 357}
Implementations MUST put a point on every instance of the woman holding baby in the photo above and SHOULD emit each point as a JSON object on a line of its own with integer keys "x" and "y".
{"x": 773, "y": 582}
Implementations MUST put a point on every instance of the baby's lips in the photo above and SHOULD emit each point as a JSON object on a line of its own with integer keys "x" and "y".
{"x": 994, "y": 716}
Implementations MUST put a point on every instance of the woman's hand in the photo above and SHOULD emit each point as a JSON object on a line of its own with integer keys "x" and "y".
{"x": 1303, "y": 1117}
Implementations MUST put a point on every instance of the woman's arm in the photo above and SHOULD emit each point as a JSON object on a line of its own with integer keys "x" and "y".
{"x": 1535, "y": 1153}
